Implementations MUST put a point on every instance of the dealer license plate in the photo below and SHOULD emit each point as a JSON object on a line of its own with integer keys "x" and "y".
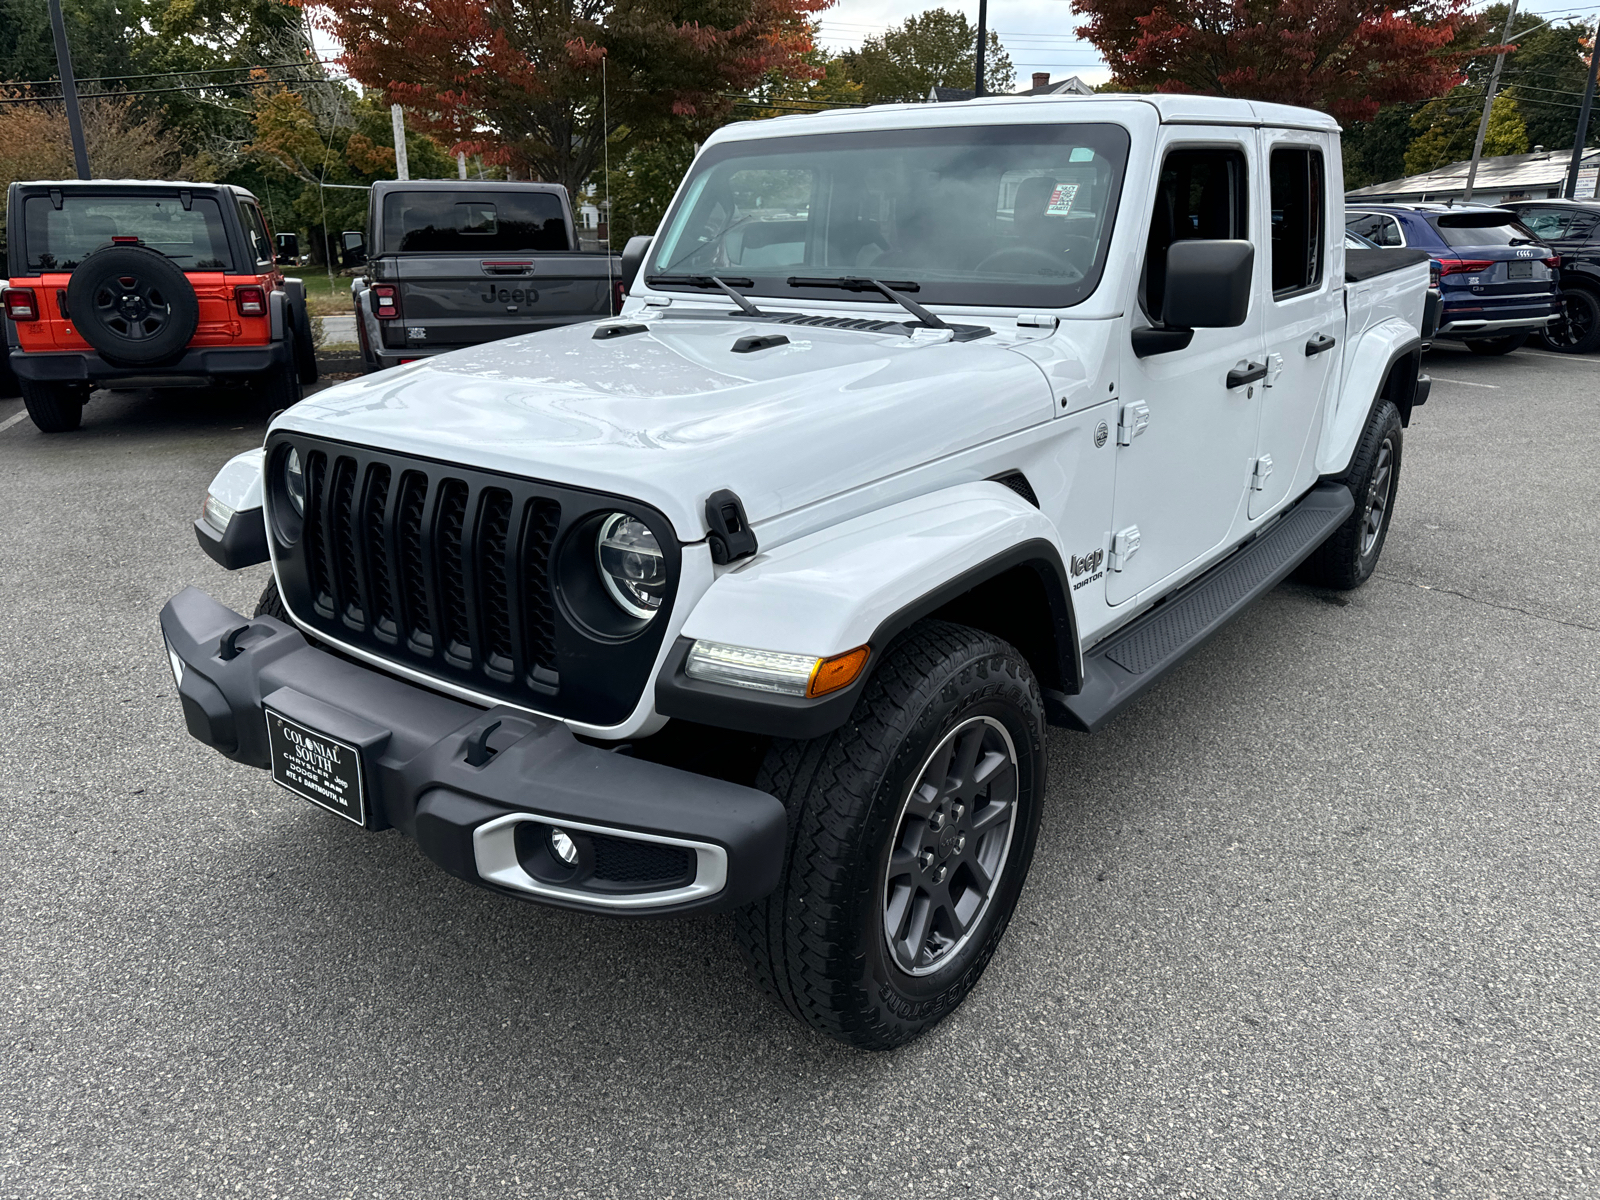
{"x": 317, "y": 767}
{"x": 1519, "y": 270}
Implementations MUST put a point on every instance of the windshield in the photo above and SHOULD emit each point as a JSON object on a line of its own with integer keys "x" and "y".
{"x": 60, "y": 239}
{"x": 1471, "y": 232}
{"x": 1005, "y": 216}
{"x": 474, "y": 222}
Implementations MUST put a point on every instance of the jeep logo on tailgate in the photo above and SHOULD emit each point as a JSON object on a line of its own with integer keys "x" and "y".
{"x": 510, "y": 295}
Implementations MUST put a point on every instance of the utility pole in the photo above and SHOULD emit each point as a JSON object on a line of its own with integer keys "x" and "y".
{"x": 461, "y": 164}
{"x": 1488, "y": 103}
{"x": 983, "y": 45}
{"x": 1583, "y": 116}
{"x": 402, "y": 166}
{"x": 69, "y": 90}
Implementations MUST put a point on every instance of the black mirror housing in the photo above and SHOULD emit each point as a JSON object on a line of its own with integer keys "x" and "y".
{"x": 633, "y": 259}
{"x": 1208, "y": 284}
{"x": 288, "y": 248}
{"x": 354, "y": 245}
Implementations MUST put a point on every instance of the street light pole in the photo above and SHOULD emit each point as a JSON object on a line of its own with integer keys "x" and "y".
{"x": 983, "y": 45}
{"x": 1583, "y": 116}
{"x": 1488, "y": 103}
{"x": 69, "y": 90}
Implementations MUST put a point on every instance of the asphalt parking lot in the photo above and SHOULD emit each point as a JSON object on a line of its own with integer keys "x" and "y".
{"x": 1317, "y": 918}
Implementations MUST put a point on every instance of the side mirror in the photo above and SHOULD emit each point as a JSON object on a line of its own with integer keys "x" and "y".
{"x": 354, "y": 245}
{"x": 1208, "y": 284}
{"x": 633, "y": 259}
{"x": 288, "y": 248}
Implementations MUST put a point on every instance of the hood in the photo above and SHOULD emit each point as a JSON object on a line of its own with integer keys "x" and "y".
{"x": 674, "y": 413}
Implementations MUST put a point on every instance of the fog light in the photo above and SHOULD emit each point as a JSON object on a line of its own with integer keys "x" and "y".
{"x": 563, "y": 847}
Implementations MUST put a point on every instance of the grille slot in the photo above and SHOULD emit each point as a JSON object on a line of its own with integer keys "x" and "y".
{"x": 342, "y": 509}
{"x": 494, "y": 592}
{"x": 538, "y": 605}
{"x": 450, "y": 552}
{"x": 375, "y": 509}
{"x": 316, "y": 546}
{"x": 413, "y": 588}
{"x": 623, "y": 860}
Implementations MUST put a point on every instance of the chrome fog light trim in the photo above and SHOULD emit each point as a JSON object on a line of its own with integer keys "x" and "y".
{"x": 175, "y": 662}
{"x": 494, "y": 851}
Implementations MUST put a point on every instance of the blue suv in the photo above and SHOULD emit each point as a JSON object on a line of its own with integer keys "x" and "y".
{"x": 1497, "y": 281}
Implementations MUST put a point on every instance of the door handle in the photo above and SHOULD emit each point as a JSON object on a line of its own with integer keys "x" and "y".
{"x": 1248, "y": 373}
{"x": 1320, "y": 343}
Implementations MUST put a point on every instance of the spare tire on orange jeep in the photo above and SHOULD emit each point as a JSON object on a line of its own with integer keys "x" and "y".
{"x": 134, "y": 305}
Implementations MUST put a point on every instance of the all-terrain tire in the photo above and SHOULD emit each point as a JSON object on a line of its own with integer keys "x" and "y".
{"x": 271, "y": 603}
{"x": 819, "y": 943}
{"x": 134, "y": 305}
{"x": 54, "y": 407}
{"x": 1497, "y": 345}
{"x": 1349, "y": 556}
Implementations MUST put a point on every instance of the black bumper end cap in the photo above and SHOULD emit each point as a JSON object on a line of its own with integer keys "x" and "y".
{"x": 242, "y": 544}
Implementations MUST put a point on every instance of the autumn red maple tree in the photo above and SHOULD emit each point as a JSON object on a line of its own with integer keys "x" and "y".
{"x": 1346, "y": 57}
{"x": 520, "y": 81}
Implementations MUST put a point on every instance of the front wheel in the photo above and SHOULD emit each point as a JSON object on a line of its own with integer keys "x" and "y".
{"x": 1349, "y": 556}
{"x": 54, "y": 407}
{"x": 1497, "y": 345}
{"x": 911, "y": 832}
{"x": 1578, "y": 329}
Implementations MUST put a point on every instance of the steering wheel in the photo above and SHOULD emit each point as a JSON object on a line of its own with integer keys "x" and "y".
{"x": 1030, "y": 260}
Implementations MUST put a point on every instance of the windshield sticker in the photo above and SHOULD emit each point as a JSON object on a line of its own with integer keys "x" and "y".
{"x": 1082, "y": 154}
{"x": 1061, "y": 199}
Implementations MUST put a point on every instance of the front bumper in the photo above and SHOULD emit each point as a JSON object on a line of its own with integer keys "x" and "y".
{"x": 209, "y": 362}
{"x": 487, "y": 824}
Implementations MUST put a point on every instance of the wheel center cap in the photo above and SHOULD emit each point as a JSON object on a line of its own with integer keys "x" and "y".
{"x": 949, "y": 842}
{"x": 132, "y": 307}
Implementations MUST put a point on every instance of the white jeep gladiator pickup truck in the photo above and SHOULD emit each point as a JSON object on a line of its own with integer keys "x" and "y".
{"x": 923, "y": 428}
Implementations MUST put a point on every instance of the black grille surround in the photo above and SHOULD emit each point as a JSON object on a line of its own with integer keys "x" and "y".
{"x": 483, "y": 581}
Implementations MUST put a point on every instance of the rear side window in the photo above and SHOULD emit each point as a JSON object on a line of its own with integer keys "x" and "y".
{"x": 255, "y": 231}
{"x": 1472, "y": 231}
{"x": 474, "y": 223}
{"x": 1298, "y": 225}
{"x": 1201, "y": 194}
{"x": 1560, "y": 223}
{"x": 1379, "y": 228}
{"x": 59, "y": 239}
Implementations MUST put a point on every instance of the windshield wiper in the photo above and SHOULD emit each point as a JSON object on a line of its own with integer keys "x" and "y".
{"x": 705, "y": 281}
{"x": 851, "y": 283}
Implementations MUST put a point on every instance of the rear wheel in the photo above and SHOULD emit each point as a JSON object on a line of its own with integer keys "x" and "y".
{"x": 305, "y": 349}
{"x": 1497, "y": 345}
{"x": 54, "y": 407}
{"x": 1578, "y": 330}
{"x": 1347, "y": 559}
{"x": 279, "y": 386}
{"x": 911, "y": 832}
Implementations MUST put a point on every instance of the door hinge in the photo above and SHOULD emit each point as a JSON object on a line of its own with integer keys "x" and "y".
{"x": 1124, "y": 545}
{"x": 1135, "y": 417}
{"x": 1260, "y": 473}
{"x": 1274, "y": 369}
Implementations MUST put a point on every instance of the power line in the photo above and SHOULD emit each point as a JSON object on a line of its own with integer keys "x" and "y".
{"x": 318, "y": 62}
{"x": 198, "y": 87}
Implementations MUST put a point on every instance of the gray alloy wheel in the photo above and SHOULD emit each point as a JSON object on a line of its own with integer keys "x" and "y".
{"x": 950, "y": 846}
{"x": 1379, "y": 493}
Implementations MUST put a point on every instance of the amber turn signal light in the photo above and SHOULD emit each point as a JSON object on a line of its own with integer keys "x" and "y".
{"x": 840, "y": 671}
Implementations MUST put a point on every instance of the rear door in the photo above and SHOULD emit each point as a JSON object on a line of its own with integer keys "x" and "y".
{"x": 1302, "y": 298}
{"x": 476, "y": 265}
{"x": 1186, "y": 438}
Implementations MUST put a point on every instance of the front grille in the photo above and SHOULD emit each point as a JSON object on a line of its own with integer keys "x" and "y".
{"x": 450, "y": 572}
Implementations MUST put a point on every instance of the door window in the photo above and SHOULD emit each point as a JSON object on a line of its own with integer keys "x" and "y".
{"x": 1202, "y": 193}
{"x": 1299, "y": 232}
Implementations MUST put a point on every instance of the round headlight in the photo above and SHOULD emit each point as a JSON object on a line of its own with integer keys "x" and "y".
{"x": 294, "y": 482}
{"x": 631, "y": 565}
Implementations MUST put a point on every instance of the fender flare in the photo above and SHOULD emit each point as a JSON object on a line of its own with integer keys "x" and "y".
{"x": 863, "y": 582}
{"x": 1370, "y": 366}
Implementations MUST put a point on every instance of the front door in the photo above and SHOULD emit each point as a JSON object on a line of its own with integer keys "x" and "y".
{"x": 1302, "y": 302}
{"x": 1186, "y": 439}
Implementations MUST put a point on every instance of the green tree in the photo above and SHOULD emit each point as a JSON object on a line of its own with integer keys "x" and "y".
{"x": 1375, "y": 150}
{"x": 936, "y": 47}
{"x": 1447, "y": 127}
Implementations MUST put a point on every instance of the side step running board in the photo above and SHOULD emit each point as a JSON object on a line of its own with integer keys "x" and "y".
{"x": 1119, "y": 669}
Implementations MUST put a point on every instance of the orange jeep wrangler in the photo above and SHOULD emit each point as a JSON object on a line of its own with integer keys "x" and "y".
{"x": 135, "y": 284}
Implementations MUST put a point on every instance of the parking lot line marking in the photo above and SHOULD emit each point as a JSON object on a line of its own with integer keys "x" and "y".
{"x": 1576, "y": 360}
{"x": 1465, "y": 382}
{"x": 12, "y": 420}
